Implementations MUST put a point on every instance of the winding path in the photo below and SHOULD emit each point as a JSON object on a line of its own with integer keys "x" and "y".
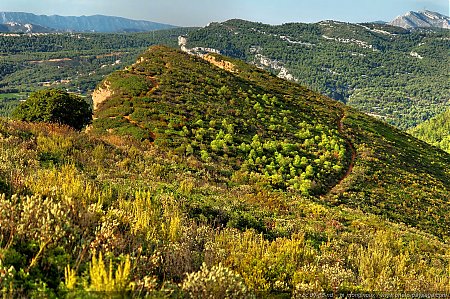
{"x": 155, "y": 86}
{"x": 349, "y": 145}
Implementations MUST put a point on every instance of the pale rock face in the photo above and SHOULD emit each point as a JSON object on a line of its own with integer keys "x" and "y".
{"x": 359, "y": 43}
{"x": 423, "y": 19}
{"x": 285, "y": 75}
{"x": 101, "y": 94}
{"x": 205, "y": 54}
{"x": 182, "y": 40}
{"x": 223, "y": 64}
{"x": 263, "y": 61}
{"x": 198, "y": 51}
{"x": 415, "y": 54}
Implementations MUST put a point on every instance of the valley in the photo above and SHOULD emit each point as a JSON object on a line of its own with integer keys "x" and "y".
{"x": 75, "y": 62}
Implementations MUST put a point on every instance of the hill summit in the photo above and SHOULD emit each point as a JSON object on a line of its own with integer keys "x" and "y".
{"x": 249, "y": 125}
{"x": 422, "y": 19}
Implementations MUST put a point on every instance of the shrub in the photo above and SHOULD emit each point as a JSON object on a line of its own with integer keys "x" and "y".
{"x": 217, "y": 282}
{"x": 55, "y": 106}
{"x": 6, "y": 277}
{"x": 102, "y": 279}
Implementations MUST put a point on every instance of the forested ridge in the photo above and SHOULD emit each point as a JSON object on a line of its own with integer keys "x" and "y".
{"x": 398, "y": 75}
{"x": 278, "y": 132}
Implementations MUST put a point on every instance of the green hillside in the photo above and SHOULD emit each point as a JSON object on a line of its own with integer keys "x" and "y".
{"x": 388, "y": 72}
{"x": 397, "y": 75}
{"x": 435, "y": 131}
{"x": 252, "y": 185}
{"x": 255, "y": 127}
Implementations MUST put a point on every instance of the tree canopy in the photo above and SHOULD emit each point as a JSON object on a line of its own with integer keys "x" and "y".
{"x": 55, "y": 106}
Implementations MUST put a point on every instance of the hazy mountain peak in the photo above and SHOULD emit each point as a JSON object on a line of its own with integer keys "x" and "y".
{"x": 426, "y": 18}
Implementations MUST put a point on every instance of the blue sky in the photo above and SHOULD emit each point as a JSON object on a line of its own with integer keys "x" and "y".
{"x": 202, "y": 12}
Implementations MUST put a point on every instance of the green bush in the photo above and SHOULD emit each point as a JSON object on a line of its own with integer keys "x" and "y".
{"x": 55, "y": 106}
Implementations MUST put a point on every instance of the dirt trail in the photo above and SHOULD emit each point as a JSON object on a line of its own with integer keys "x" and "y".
{"x": 349, "y": 145}
{"x": 155, "y": 84}
{"x": 152, "y": 135}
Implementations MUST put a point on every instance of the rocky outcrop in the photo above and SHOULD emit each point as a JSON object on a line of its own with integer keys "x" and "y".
{"x": 265, "y": 62}
{"x": 205, "y": 53}
{"x": 198, "y": 51}
{"x": 359, "y": 43}
{"x": 223, "y": 64}
{"x": 422, "y": 19}
{"x": 101, "y": 94}
{"x": 14, "y": 27}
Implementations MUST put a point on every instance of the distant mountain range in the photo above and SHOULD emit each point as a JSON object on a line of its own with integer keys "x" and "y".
{"x": 14, "y": 27}
{"x": 28, "y": 22}
{"x": 421, "y": 19}
{"x": 21, "y": 22}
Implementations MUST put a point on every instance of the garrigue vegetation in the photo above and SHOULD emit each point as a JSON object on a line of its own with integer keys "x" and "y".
{"x": 435, "y": 131}
{"x": 223, "y": 121}
{"x": 253, "y": 127}
{"x": 395, "y": 74}
{"x": 165, "y": 198}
